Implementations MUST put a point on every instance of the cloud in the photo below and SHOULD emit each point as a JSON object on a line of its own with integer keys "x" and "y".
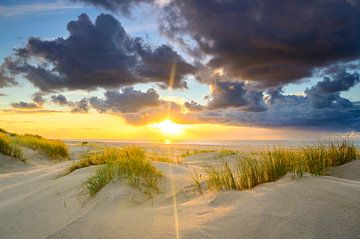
{"x": 5, "y": 80}
{"x": 272, "y": 42}
{"x": 99, "y": 54}
{"x": 127, "y": 101}
{"x": 193, "y": 106}
{"x": 59, "y": 99}
{"x": 22, "y": 9}
{"x": 157, "y": 65}
{"x": 38, "y": 98}
{"x": 25, "y": 105}
{"x": 327, "y": 92}
{"x": 81, "y": 106}
{"x": 235, "y": 94}
{"x": 321, "y": 107}
{"x": 122, "y": 6}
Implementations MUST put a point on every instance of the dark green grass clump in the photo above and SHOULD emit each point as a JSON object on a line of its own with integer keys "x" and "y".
{"x": 251, "y": 170}
{"x": 127, "y": 164}
{"x": 8, "y": 148}
{"x": 54, "y": 149}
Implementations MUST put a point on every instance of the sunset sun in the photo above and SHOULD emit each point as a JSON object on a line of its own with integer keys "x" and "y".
{"x": 167, "y": 127}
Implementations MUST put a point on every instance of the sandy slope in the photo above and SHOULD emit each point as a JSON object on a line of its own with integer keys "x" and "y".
{"x": 34, "y": 203}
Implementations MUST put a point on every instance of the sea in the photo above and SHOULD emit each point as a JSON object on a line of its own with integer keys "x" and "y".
{"x": 223, "y": 143}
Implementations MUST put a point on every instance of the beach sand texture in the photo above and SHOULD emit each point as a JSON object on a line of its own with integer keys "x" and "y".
{"x": 36, "y": 203}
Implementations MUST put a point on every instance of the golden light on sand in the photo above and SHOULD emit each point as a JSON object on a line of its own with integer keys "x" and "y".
{"x": 167, "y": 127}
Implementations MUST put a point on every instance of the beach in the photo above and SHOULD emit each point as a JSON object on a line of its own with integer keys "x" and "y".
{"x": 38, "y": 201}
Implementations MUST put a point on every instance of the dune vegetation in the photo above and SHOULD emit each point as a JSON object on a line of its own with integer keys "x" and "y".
{"x": 251, "y": 170}
{"x": 128, "y": 164}
{"x": 157, "y": 157}
{"x": 8, "y": 148}
{"x": 54, "y": 149}
{"x": 188, "y": 153}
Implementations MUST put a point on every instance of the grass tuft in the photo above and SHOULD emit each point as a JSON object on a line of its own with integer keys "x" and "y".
{"x": 188, "y": 153}
{"x": 249, "y": 171}
{"x": 164, "y": 158}
{"x": 8, "y": 148}
{"x": 54, "y": 149}
{"x": 108, "y": 155}
{"x": 128, "y": 164}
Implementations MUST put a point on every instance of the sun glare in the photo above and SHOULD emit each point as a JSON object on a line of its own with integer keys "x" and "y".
{"x": 167, "y": 127}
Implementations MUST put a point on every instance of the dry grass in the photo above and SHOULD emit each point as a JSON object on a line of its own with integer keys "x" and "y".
{"x": 54, "y": 149}
{"x": 157, "y": 157}
{"x": 189, "y": 153}
{"x": 249, "y": 171}
{"x": 127, "y": 164}
{"x": 107, "y": 155}
{"x": 8, "y": 148}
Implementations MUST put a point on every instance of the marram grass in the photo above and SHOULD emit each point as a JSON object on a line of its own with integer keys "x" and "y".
{"x": 127, "y": 164}
{"x": 251, "y": 170}
{"x": 54, "y": 149}
{"x": 8, "y": 148}
{"x": 108, "y": 155}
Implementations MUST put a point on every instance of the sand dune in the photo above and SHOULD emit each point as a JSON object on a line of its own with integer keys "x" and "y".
{"x": 36, "y": 203}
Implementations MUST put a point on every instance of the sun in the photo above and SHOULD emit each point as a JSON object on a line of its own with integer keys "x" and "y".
{"x": 167, "y": 127}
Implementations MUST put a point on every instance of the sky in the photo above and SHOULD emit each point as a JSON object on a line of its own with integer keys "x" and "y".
{"x": 220, "y": 70}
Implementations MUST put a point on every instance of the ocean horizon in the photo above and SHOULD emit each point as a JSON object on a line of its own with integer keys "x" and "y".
{"x": 229, "y": 143}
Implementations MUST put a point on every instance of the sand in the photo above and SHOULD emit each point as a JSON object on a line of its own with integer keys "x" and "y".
{"x": 36, "y": 203}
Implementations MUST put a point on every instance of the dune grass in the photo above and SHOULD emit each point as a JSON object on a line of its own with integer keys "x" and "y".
{"x": 107, "y": 155}
{"x": 189, "y": 153}
{"x": 8, "y": 148}
{"x": 157, "y": 157}
{"x": 54, "y": 149}
{"x": 127, "y": 164}
{"x": 251, "y": 170}
{"x": 321, "y": 157}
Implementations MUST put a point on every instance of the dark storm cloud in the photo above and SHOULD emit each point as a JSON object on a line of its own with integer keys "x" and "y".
{"x": 38, "y": 98}
{"x": 5, "y": 80}
{"x": 81, "y": 106}
{"x": 272, "y": 42}
{"x": 126, "y": 101}
{"x": 326, "y": 93}
{"x": 25, "y": 105}
{"x": 235, "y": 94}
{"x": 157, "y": 65}
{"x": 99, "y": 54}
{"x": 115, "y": 5}
{"x": 321, "y": 107}
{"x": 59, "y": 99}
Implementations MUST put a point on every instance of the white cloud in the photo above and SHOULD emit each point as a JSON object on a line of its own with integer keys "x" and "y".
{"x": 22, "y": 9}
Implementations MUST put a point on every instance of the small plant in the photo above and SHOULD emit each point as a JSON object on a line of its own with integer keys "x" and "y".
{"x": 197, "y": 182}
{"x": 8, "y": 148}
{"x": 54, "y": 149}
{"x": 129, "y": 164}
